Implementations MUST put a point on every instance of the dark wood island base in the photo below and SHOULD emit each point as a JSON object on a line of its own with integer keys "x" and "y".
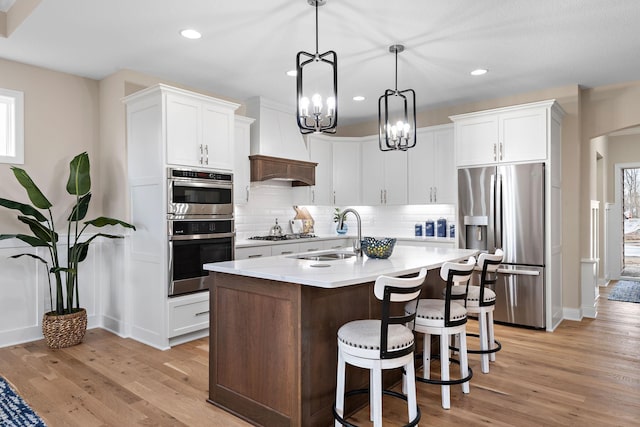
{"x": 273, "y": 349}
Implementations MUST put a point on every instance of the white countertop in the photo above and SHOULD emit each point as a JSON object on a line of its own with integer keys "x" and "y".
{"x": 341, "y": 272}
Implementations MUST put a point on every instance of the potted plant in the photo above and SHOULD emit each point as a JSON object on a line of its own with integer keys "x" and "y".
{"x": 65, "y": 325}
{"x": 336, "y": 218}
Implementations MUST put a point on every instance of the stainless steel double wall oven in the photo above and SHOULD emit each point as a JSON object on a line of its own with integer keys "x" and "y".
{"x": 200, "y": 226}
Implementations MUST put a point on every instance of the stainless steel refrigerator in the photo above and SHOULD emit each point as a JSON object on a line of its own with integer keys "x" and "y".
{"x": 503, "y": 207}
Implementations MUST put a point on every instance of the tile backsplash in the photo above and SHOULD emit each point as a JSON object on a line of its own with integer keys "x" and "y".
{"x": 274, "y": 199}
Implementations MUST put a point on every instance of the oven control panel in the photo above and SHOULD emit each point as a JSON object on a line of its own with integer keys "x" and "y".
{"x": 208, "y": 175}
{"x": 190, "y": 228}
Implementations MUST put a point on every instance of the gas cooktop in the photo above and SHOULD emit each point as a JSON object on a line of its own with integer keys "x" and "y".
{"x": 284, "y": 237}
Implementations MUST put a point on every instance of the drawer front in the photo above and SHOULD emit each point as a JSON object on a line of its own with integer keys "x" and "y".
{"x": 253, "y": 252}
{"x": 188, "y": 316}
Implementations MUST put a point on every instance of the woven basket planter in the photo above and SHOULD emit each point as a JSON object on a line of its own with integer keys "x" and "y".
{"x": 64, "y": 330}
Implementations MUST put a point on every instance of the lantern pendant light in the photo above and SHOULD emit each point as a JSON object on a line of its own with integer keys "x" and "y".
{"x": 397, "y": 130}
{"x": 314, "y": 116}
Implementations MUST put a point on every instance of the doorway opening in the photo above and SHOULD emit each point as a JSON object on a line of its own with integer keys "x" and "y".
{"x": 631, "y": 222}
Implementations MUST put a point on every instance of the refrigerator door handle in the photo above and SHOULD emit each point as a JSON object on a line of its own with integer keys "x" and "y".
{"x": 498, "y": 213}
{"x": 491, "y": 224}
{"x": 519, "y": 272}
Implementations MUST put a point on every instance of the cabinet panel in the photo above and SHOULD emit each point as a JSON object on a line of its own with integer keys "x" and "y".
{"x": 346, "y": 172}
{"x": 217, "y": 137}
{"x": 476, "y": 141}
{"x": 384, "y": 175}
{"x": 431, "y": 167}
{"x": 286, "y": 249}
{"x": 188, "y": 314}
{"x": 241, "y": 170}
{"x": 182, "y": 125}
{"x": 523, "y": 136}
{"x": 321, "y": 152}
{"x": 253, "y": 252}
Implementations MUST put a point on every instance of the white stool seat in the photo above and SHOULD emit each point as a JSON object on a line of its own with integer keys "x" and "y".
{"x": 431, "y": 312}
{"x": 473, "y": 297}
{"x": 364, "y": 336}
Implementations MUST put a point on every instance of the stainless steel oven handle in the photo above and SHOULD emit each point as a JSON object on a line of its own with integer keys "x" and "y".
{"x": 171, "y": 284}
{"x": 194, "y": 182}
{"x": 201, "y": 236}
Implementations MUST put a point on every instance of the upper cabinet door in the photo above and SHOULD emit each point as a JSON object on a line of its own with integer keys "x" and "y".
{"x": 346, "y": 172}
{"x": 199, "y": 131}
{"x": 372, "y": 173}
{"x": 241, "y": 169}
{"x": 217, "y": 136}
{"x": 184, "y": 146}
{"x": 523, "y": 136}
{"x": 476, "y": 140}
{"x": 321, "y": 152}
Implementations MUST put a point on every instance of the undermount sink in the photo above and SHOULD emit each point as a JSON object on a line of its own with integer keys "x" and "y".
{"x": 325, "y": 256}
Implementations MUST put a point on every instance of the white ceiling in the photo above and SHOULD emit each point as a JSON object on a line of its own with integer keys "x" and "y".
{"x": 247, "y": 46}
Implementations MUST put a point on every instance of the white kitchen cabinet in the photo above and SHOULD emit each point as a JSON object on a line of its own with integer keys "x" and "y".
{"x": 285, "y": 249}
{"x": 188, "y": 314}
{"x": 320, "y": 149}
{"x": 431, "y": 167}
{"x": 347, "y": 182}
{"x": 242, "y": 168}
{"x": 384, "y": 174}
{"x": 511, "y": 134}
{"x": 199, "y": 130}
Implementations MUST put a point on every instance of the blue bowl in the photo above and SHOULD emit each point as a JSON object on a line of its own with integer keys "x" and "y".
{"x": 377, "y": 248}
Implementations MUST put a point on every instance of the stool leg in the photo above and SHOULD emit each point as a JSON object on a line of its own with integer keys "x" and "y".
{"x": 484, "y": 341}
{"x": 464, "y": 362}
{"x": 412, "y": 400}
{"x": 444, "y": 369}
{"x": 340, "y": 388}
{"x": 426, "y": 357}
{"x": 492, "y": 337}
{"x": 376, "y": 393}
{"x": 372, "y": 398}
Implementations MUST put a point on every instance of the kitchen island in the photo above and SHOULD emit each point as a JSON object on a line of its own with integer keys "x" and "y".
{"x": 274, "y": 323}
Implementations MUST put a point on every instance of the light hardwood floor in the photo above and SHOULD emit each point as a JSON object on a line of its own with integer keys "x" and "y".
{"x": 583, "y": 374}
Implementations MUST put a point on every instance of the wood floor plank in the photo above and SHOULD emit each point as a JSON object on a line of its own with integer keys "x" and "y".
{"x": 585, "y": 373}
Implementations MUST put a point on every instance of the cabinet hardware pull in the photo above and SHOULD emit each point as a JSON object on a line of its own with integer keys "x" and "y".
{"x": 202, "y": 312}
{"x": 255, "y": 256}
{"x": 435, "y": 194}
{"x": 313, "y": 196}
{"x": 201, "y": 154}
{"x": 381, "y": 202}
{"x": 501, "y": 151}
{"x": 247, "y": 189}
{"x": 430, "y": 194}
{"x": 206, "y": 152}
{"x": 334, "y": 197}
{"x": 385, "y": 197}
{"x": 313, "y": 249}
{"x": 286, "y": 252}
{"x": 495, "y": 155}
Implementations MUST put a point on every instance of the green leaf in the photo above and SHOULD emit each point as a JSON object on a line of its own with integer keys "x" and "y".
{"x": 32, "y": 241}
{"x": 80, "y": 251}
{"x": 39, "y": 230}
{"x": 64, "y": 269}
{"x": 24, "y": 209}
{"x": 80, "y": 209}
{"x": 35, "y": 195}
{"x": 32, "y": 256}
{"x": 79, "y": 180}
{"x": 102, "y": 221}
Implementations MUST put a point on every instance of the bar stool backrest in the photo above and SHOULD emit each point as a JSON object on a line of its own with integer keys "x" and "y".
{"x": 397, "y": 290}
{"x": 455, "y": 273}
{"x": 489, "y": 264}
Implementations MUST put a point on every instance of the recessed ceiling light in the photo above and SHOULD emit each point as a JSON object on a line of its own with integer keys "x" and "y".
{"x": 190, "y": 34}
{"x": 292, "y": 73}
{"x": 358, "y": 98}
{"x": 478, "y": 72}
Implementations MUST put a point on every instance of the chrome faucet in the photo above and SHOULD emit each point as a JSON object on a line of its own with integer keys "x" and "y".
{"x": 357, "y": 248}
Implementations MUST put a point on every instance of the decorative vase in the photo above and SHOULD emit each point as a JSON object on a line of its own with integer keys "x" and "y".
{"x": 64, "y": 330}
{"x": 343, "y": 230}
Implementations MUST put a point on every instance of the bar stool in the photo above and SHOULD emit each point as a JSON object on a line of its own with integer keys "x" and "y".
{"x": 381, "y": 344}
{"x": 481, "y": 300}
{"x": 446, "y": 318}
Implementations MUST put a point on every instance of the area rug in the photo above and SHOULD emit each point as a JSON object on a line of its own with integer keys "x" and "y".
{"x": 625, "y": 290}
{"x": 14, "y": 411}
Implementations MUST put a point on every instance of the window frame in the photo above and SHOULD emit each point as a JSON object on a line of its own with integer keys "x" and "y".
{"x": 16, "y": 119}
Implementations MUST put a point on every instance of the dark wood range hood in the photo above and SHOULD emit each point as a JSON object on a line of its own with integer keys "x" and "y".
{"x": 299, "y": 172}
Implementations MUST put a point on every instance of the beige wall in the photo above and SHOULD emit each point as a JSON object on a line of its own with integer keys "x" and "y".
{"x": 621, "y": 149}
{"x": 61, "y": 120}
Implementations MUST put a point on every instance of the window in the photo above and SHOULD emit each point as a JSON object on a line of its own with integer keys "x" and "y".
{"x": 11, "y": 126}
